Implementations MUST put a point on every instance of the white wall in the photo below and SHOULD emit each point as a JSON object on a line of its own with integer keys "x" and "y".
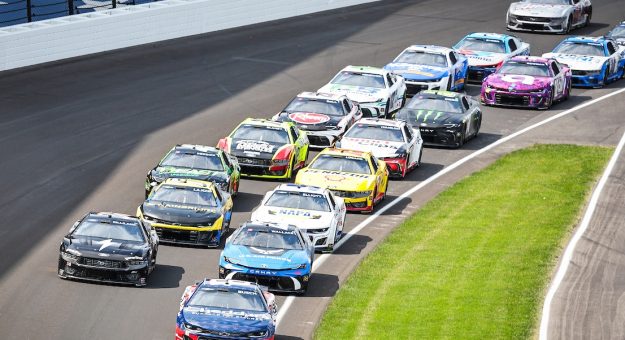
{"x": 77, "y": 35}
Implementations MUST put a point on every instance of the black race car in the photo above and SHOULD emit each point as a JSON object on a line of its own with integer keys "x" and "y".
{"x": 444, "y": 118}
{"x": 108, "y": 247}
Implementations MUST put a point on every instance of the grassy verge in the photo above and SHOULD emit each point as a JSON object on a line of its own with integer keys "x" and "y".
{"x": 474, "y": 262}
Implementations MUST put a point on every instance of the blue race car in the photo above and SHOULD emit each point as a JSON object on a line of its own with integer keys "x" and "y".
{"x": 226, "y": 309}
{"x": 595, "y": 61}
{"x": 487, "y": 51}
{"x": 278, "y": 256}
{"x": 427, "y": 67}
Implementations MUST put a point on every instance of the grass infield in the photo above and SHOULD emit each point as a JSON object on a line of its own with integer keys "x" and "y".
{"x": 475, "y": 262}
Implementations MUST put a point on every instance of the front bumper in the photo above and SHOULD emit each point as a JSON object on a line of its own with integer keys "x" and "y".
{"x": 397, "y": 167}
{"x": 498, "y": 97}
{"x": 476, "y": 74}
{"x": 182, "y": 334}
{"x": 587, "y": 78}
{"x": 415, "y": 86}
{"x": 287, "y": 281}
{"x": 323, "y": 238}
{"x": 441, "y": 136}
{"x": 102, "y": 270}
{"x": 536, "y": 24}
{"x": 187, "y": 235}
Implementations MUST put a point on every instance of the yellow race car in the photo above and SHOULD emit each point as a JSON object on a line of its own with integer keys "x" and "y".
{"x": 188, "y": 211}
{"x": 358, "y": 177}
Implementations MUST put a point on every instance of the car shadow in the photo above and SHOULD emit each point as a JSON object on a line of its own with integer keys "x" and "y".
{"x": 354, "y": 245}
{"x": 245, "y": 202}
{"x": 165, "y": 276}
{"x": 287, "y": 337}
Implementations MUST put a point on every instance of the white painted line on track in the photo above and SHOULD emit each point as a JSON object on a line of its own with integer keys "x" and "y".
{"x": 570, "y": 248}
{"x": 322, "y": 258}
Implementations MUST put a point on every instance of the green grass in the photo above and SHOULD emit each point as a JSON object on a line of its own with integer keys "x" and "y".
{"x": 473, "y": 263}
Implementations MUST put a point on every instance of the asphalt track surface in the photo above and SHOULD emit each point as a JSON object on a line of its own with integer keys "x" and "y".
{"x": 80, "y": 135}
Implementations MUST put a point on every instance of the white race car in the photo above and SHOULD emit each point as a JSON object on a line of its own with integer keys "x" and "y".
{"x": 378, "y": 91}
{"x": 557, "y": 16}
{"x": 392, "y": 141}
{"x": 314, "y": 210}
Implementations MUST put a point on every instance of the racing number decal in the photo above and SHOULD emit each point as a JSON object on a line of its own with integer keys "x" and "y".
{"x": 559, "y": 85}
{"x": 518, "y": 78}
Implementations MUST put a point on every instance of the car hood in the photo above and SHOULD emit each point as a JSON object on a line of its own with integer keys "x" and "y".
{"x": 112, "y": 249}
{"x": 524, "y": 83}
{"x": 304, "y": 219}
{"x": 226, "y": 321}
{"x": 481, "y": 58}
{"x": 417, "y": 72}
{"x": 310, "y": 120}
{"x": 254, "y": 148}
{"x": 578, "y": 62}
{"x": 277, "y": 259}
{"x": 359, "y": 94}
{"x": 538, "y": 10}
{"x": 335, "y": 179}
{"x": 379, "y": 148}
{"x": 180, "y": 213}
{"x": 164, "y": 172}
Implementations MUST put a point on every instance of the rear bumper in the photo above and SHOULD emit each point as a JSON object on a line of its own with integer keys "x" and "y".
{"x": 397, "y": 167}
{"x": 441, "y": 137}
{"x": 527, "y": 24}
{"x": 476, "y": 74}
{"x": 579, "y": 80}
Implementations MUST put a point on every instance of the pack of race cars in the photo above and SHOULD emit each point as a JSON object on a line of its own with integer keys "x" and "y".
{"x": 367, "y": 132}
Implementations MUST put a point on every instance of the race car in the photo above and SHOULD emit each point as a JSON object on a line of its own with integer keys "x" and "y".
{"x": 618, "y": 34}
{"x": 527, "y": 82}
{"x": 555, "y": 16}
{"x": 264, "y": 148}
{"x": 316, "y": 211}
{"x": 392, "y": 141}
{"x": 595, "y": 62}
{"x": 427, "y": 67}
{"x": 108, "y": 247}
{"x": 226, "y": 309}
{"x": 275, "y": 255}
{"x": 188, "y": 211}
{"x": 196, "y": 162}
{"x": 356, "y": 176}
{"x": 379, "y": 92}
{"x": 444, "y": 118}
{"x": 487, "y": 51}
{"x": 324, "y": 117}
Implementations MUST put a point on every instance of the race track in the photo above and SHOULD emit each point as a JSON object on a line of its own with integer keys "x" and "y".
{"x": 80, "y": 136}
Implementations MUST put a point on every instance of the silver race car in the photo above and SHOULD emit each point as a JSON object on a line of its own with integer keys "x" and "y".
{"x": 555, "y": 16}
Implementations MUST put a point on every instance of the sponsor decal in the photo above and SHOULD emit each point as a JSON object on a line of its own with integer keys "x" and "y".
{"x": 289, "y": 212}
{"x": 309, "y": 118}
{"x": 342, "y": 174}
{"x": 258, "y": 146}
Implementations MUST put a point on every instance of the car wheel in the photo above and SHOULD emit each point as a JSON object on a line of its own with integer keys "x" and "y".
{"x": 449, "y": 83}
{"x": 387, "y": 113}
{"x": 550, "y": 101}
{"x": 569, "y": 25}
{"x": 477, "y": 128}
{"x": 606, "y": 74}
{"x": 420, "y": 156}
{"x": 403, "y": 100}
{"x": 588, "y": 17}
{"x": 385, "y": 190}
{"x": 567, "y": 93}
{"x": 462, "y": 137}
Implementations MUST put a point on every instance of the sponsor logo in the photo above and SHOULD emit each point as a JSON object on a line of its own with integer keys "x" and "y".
{"x": 309, "y": 118}
{"x": 258, "y": 146}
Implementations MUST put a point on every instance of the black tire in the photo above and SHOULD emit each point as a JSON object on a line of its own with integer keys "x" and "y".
{"x": 403, "y": 101}
{"x": 569, "y": 25}
{"x": 385, "y": 190}
{"x": 550, "y": 103}
{"x": 606, "y": 74}
{"x": 463, "y": 137}
{"x": 449, "y": 83}
{"x": 420, "y": 156}
{"x": 477, "y": 129}
{"x": 387, "y": 111}
{"x": 588, "y": 17}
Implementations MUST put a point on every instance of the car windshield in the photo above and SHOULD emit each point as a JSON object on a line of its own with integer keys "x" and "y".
{"x": 193, "y": 160}
{"x": 262, "y": 133}
{"x": 324, "y": 106}
{"x": 482, "y": 45}
{"x": 359, "y": 79}
{"x": 595, "y": 50}
{"x": 618, "y": 32}
{"x": 357, "y": 165}
{"x": 110, "y": 229}
{"x": 298, "y": 200}
{"x": 262, "y": 237}
{"x": 377, "y": 132}
{"x": 422, "y": 58}
{"x": 549, "y": 2}
{"x": 228, "y": 298}
{"x": 527, "y": 69}
{"x": 444, "y": 104}
{"x": 184, "y": 196}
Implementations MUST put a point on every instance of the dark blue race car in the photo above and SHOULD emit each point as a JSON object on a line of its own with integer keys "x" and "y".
{"x": 278, "y": 256}
{"x": 226, "y": 309}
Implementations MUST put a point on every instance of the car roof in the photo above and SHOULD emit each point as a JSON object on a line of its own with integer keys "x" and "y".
{"x": 271, "y": 225}
{"x": 265, "y": 122}
{"x": 530, "y": 59}
{"x": 365, "y": 69}
{"x": 441, "y": 93}
{"x": 189, "y": 183}
{"x": 226, "y": 283}
{"x": 345, "y": 152}
{"x": 301, "y": 188}
{"x": 321, "y": 95}
{"x": 105, "y": 215}
{"x": 585, "y": 39}
{"x": 382, "y": 122}
{"x": 197, "y": 147}
{"x": 429, "y": 48}
{"x": 484, "y": 35}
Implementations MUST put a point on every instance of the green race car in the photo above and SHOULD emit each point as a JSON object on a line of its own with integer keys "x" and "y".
{"x": 268, "y": 149}
{"x": 198, "y": 162}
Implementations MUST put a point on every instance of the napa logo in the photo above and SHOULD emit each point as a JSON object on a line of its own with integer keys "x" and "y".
{"x": 295, "y": 213}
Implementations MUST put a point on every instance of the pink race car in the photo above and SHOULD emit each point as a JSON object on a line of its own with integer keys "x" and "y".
{"x": 530, "y": 82}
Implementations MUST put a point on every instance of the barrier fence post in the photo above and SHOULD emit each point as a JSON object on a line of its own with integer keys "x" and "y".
{"x": 70, "y": 7}
{"x": 29, "y": 10}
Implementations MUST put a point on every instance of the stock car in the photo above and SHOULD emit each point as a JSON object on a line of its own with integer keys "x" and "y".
{"x": 555, "y": 16}
{"x": 268, "y": 149}
{"x": 527, "y": 82}
{"x": 316, "y": 211}
{"x": 618, "y": 34}
{"x": 188, "y": 211}
{"x": 324, "y": 117}
{"x": 444, "y": 118}
{"x": 427, "y": 67}
{"x": 393, "y": 141}
{"x": 275, "y": 255}
{"x": 196, "y": 162}
{"x": 356, "y": 176}
{"x": 108, "y": 247}
{"x": 595, "y": 61}
{"x": 487, "y": 51}
{"x": 378, "y": 91}
{"x": 226, "y": 309}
